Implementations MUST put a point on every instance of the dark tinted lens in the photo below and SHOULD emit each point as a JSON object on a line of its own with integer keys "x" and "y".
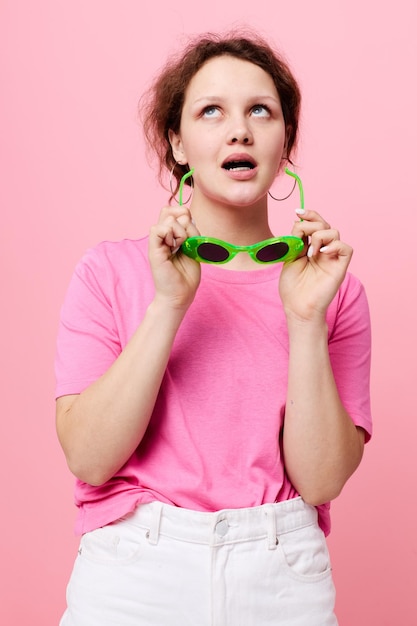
{"x": 272, "y": 252}
{"x": 212, "y": 252}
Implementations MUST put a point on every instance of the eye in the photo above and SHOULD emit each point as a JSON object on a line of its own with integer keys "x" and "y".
{"x": 210, "y": 111}
{"x": 261, "y": 110}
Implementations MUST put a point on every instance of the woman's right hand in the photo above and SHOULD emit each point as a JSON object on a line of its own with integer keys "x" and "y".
{"x": 175, "y": 275}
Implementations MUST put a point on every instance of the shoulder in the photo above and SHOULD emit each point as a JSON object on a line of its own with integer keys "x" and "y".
{"x": 349, "y": 310}
{"x": 117, "y": 253}
{"x": 352, "y": 285}
{"x": 109, "y": 270}
{"x": 110, "y": 259}
{"x": 351, "y": 292}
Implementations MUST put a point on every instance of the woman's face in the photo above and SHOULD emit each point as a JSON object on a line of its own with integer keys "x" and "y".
{"x": 232, "y": 132}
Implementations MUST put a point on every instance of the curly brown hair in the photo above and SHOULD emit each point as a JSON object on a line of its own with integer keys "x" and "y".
{"x": 161, "y": 106}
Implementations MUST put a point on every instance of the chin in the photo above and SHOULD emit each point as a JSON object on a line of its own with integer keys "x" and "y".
{"x": 249, "y": 200}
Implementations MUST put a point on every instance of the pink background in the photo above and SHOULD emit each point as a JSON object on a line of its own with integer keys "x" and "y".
{"x": 73, "y": 172}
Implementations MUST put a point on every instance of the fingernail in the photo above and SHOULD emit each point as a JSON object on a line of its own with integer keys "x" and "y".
{"x": 300, "y": 211}
{"x": 323, "y": 249}
{"x": 310, "y": 251}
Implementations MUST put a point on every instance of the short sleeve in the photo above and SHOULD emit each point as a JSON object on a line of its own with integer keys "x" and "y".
{"x": 350, "y": 351}
{"x": 87, "y": 341}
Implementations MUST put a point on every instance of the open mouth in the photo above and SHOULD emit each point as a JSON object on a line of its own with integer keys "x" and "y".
{"x": 238, "y": 166}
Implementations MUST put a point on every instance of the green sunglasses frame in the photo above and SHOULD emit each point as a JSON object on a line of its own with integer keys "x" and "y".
{"x": 295, "y": 244}
{"x": 191, "y": 246}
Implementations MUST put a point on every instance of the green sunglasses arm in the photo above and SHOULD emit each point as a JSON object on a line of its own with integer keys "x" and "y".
{"x": 300, "y": 185}
{"x": 183, "y": 179}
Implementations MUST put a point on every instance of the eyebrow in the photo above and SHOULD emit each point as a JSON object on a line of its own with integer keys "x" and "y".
{"x": 258, "y": 98}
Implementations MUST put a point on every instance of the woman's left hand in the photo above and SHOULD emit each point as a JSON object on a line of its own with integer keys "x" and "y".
{"x": 309, "y": 284}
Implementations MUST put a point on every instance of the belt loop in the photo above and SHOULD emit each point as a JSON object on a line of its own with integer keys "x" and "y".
{"x": 271, "y": 527}
{"x": 153, "y": 534}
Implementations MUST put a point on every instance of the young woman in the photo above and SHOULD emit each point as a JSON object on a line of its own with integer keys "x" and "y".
{"x": 210, "y": 412}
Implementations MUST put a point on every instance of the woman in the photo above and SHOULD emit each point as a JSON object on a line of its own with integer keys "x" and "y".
{"x": 211, "y": 412}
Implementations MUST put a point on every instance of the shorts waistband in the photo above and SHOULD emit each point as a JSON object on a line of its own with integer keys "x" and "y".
{"x": 224, "y": 526}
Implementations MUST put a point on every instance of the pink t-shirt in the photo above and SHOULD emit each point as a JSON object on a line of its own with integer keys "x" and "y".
{"x": 213, "y": 441}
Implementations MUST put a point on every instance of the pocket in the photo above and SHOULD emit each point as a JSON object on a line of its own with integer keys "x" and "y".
{"x": 305, "y": 554}
{"x": 115, "y": 544}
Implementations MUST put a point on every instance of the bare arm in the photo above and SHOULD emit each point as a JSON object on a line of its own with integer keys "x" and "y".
{"x": 100, "y": 428}
{"x": 322, "y": 446}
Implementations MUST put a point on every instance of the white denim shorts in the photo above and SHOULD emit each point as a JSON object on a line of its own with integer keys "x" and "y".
{"x": 166, "y": 566}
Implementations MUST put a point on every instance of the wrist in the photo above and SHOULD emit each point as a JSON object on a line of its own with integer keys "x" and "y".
{"x": 167, "y": 309}
{"x": 314, "y": 327}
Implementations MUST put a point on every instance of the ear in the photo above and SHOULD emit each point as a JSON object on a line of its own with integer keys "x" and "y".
{"x": 288, "y": 132}
{"x": 284, "y": 158}
{"x": 177, "y": 147}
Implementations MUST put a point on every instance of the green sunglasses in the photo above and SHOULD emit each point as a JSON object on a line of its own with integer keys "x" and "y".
{"x": 273, "y": 250}
{"x": 211, "y": 250}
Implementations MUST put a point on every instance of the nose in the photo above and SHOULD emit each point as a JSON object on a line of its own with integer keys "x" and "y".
{"x": 244, "y": 140}
{"x": 240, "y": 133}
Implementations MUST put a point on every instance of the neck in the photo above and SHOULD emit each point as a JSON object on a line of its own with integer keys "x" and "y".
{"x": 240, "y": 225}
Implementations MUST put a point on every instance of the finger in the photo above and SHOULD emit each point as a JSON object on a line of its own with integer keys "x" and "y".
{"x": 183, "y": 216}
{"x": 310, "y": 216}
{"x": 169, "y": 233}
{"x": 321, "y": 238}
{"x": 337, "y": 249}
{"x": 175, "y": 225}
{"x": 189, "y": 225}
{"x": 331, "y": 249}
{"x": 174, "y": 211}
{"x": 190, "y": 228}
{"x": 309, "y": 222}
{"x": 169, "y": 215}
